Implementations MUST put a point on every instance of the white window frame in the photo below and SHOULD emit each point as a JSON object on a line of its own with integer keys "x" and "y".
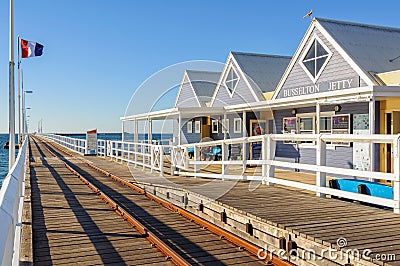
{"x": 310, "y": 43}
{"x": 239, "y": 128}
{"x": 197, "y": 127}
{"x": 214, "y": 122}
{"x": 226, "y": 78}
{"x": 189, "y": 127}
{"x": 225, "y": 126}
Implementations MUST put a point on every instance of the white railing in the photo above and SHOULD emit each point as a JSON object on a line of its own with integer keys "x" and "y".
{"x": 102, "y": 147}
{"x": 75, "y": 144}
{"x": 11, "y": 204}
{"x": 155, "y": 157}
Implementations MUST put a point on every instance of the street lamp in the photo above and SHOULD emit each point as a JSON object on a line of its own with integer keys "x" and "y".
{"x": 25, "y": 130}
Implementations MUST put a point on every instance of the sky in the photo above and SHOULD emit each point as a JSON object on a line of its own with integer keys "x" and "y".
{"x": 98, "y": 52}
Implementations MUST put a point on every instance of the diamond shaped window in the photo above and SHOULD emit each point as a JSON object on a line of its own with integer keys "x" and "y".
{"x": 315, "y": 59}
{"x": 231, "y": 81}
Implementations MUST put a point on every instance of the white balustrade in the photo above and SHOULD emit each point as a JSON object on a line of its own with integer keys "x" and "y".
{"x": 154, "y": 156}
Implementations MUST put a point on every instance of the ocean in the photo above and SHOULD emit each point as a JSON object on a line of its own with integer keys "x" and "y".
{"x": 106, "y": 136}
{"x": 3, "y": 158}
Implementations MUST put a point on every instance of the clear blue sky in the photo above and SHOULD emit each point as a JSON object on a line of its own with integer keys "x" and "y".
{"x": 97, "y": 52}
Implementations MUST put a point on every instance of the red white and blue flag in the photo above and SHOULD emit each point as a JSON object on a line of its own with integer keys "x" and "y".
{"x": 30, "y": 49}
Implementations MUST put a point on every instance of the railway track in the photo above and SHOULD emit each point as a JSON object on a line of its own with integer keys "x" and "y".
{"x": 153, "y": 234}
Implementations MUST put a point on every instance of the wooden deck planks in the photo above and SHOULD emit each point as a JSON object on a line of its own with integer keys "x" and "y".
{"x": 324, "y": 220}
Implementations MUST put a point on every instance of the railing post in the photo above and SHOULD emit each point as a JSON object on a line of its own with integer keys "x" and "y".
{"x": 143, "y": 155}
{"x": 270, "y": 147}
{"x": 135, "y": 149}
{"x": 196, "y": 158}
{"x": 396, "y": 171}
{"x": 185, "y": 158}
{"x": 172, "y": 162}
{"x": 129, "y": 154}
{"x": 152, "y": 158}
{"x": 321, "y": 161}
{"x": 161, "y": 152}
{"x": 225, "y": 166}
{"x": 244, "y": 154}
{"x": 264, "y": 155}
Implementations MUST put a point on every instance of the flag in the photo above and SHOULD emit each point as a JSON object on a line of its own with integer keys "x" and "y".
{"x": 30, "y": 49}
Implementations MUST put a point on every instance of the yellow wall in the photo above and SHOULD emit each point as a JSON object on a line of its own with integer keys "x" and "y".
{"x": 387, "y": 106}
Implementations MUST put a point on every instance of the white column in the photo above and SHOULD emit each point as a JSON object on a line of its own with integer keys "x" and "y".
{"x": 318, "y": 118}
{"x": 321, "y": 161}
{"x": 150, "y": 131}
{"x": 225, "y": 126}
{"x": 179, "y": 129}
{"x": 136, "y": 140}
{"x": 123, "y": 129}
{"x": 244, "y": 148}
{"x": 396, "y": 171}
{"x": 372, "y": 131}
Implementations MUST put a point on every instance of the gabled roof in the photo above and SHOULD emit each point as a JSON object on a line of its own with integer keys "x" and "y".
{"x": 371, "y": 47}
{"x": 263, "y": 69}
{"x": 203, "y": 84}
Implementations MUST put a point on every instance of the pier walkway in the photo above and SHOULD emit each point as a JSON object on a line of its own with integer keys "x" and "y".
{"x": 276, "y": 218}
{"x": 71, "y": 213}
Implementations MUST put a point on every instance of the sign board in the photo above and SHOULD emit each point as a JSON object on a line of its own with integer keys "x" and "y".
{"x": 341, "y": 124}
{"x": 91, "y": 142}
{"x": 361, "y": 151}
{"x": 257, "y": 128}
{"x": 325, "y": 86}
{"x": 289, "y": 125}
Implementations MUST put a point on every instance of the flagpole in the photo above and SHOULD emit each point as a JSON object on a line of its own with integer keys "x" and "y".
{"x": 19, "y": 92}
{"x": 11, "y": 114}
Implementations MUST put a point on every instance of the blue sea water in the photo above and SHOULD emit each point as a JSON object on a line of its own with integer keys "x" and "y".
{"x": 3, "y": 158}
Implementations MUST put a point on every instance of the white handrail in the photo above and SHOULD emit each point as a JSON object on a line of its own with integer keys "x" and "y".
{"x": 152, "y": 156}
{"x": 74, "y": 144}
{"x": 11, "y": 204}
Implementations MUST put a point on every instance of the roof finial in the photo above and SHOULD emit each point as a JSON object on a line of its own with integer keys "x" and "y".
{"x": 309, "y": 14}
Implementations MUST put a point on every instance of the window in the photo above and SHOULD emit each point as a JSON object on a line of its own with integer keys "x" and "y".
{"x": 231, "y": 80}
{"x": 225, "y": 126}
{"x": 325, "y": 124}
{"x": 197, "y": 127}
{"x": 189, "y": 127}
{"x": 214, "y": 126}
{"x": 315, "y": 59}
{"x": 306, "y": 125}
{"x": 237, "y": 125}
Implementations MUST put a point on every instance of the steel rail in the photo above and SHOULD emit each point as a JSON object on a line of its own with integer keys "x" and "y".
{"x": 158, "y": 243}
{"x": 250, "y": 247}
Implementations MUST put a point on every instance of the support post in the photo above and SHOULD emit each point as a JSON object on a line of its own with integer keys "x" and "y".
{"x": 180, "y": 129}
{"x": 151, "y": 158}
{"x": 150, "y": 131}
{"x": 321, "y": 161}
{"x": 372, "y": 149}
{"x": 271, "y": 144}
{"x": 244, "y": 148}
{"x": 225, "y": 166}
{"x": 161, "y": 151}
{"x": 264, "y": 155}
{"x": 196, "y": 159}
{"x": 225, "y": 126}
{"x": 318, "y": 118}
{"x": 396, "y": 171}
{"x": 135, "y": 140}
{"x": 123, "y": 130}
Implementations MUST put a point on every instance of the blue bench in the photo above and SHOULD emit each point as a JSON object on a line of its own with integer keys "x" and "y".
{"x": 363, "y": 187}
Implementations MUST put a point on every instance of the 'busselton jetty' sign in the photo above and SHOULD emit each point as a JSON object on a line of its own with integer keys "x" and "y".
{"x": 319, "y": 87}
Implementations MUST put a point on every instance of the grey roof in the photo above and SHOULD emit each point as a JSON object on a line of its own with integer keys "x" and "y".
{"x": 203, "y": 83}
{"x": 264, "y": 70}
{"x": 371, "y": 47}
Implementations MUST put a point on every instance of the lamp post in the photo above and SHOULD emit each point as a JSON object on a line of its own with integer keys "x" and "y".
{"x": 25, "y": 131}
